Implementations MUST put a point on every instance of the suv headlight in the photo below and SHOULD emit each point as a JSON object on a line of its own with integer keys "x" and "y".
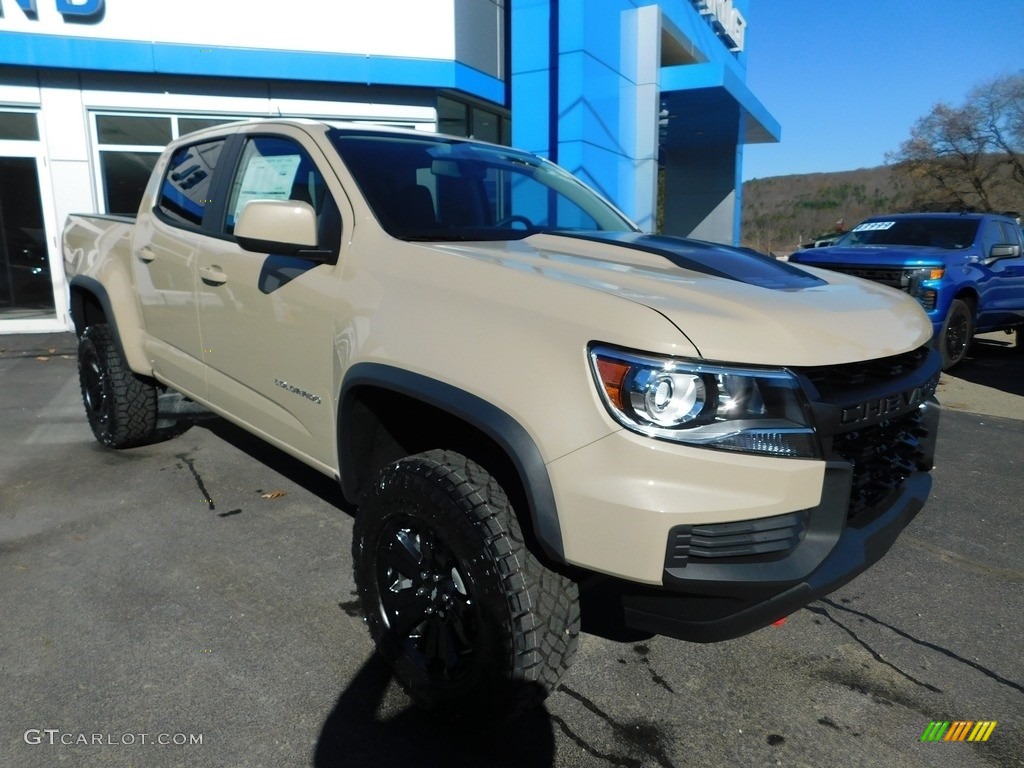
{"x": 737, "y": 409}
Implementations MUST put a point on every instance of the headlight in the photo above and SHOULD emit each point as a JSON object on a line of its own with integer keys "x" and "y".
{"x": 737, "y": 409}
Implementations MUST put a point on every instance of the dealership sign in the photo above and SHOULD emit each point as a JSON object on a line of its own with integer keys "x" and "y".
{"x": 727, "y": 22}
{"x": 71, "y": 10}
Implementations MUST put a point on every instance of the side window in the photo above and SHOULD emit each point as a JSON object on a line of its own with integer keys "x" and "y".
{"x": 1011, "y": 233}
{"x": 991, "y": 234}
{"x": 185, "y": 189}
{"x": 277, "y": 168}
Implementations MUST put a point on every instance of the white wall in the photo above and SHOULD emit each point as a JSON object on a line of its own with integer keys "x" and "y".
{"x": 403, "y": 28}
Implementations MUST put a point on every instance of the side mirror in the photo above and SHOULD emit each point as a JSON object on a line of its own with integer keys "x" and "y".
{"x": 1003, "y": 251}
{"x": 280, "y": 226}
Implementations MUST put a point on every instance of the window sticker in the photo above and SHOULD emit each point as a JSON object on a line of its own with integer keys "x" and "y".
{"x": 267, "y": 178}
{"x": 871, "y": 225}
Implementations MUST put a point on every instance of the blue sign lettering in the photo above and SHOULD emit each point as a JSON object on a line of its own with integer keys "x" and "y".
{"x": 28, "y": 6}
{"x": 89, "y": 11}
{"x": 80, "y": 10}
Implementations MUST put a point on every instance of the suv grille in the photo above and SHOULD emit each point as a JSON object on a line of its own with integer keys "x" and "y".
{"x": 851, "y": 400}
{"x": 883, "y": 456}
{"x": 893, "y": 277}
{"x": 836, "y": 380}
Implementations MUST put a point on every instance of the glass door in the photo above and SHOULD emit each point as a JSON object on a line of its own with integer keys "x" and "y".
{"x": 32, "y": 286}
{"x": 26, "y": 283}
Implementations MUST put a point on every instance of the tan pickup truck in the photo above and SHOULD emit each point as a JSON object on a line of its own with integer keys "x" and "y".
{"x": 524, "y": 396}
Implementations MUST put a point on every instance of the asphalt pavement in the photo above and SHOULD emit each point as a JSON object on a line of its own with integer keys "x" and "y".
{"x": 191, "y": 603}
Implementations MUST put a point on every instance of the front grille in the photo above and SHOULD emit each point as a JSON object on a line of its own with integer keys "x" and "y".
{"x": 835, "y": 381}
{"x": 883, "y": 456}
{"x": 745, "y": 539}
{"x": 895, "y": 278}
{"x": 869, "y": 414}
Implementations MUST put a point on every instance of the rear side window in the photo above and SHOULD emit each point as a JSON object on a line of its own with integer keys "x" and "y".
{"x": 185, "y": 189}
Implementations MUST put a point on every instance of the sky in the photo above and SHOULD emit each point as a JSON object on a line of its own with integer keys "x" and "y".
{"x": 847, "y": 79}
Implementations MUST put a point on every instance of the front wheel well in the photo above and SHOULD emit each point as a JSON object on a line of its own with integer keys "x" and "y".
{"x": 970, "y": 297}
{"x": 378, "y": 425}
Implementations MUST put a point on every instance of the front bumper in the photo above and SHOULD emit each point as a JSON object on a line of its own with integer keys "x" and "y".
{"x": 722, "y": 579}
{"x": 711, "y": 602}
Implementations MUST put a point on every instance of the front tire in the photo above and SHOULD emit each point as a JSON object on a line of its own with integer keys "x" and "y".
{"x": 469, "y": 620}
{"x": 957, "y": 331}
{"x": 120, "y": 406}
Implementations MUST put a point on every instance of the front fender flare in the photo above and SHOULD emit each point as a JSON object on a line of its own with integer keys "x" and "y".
{"x": 487, "y": 418}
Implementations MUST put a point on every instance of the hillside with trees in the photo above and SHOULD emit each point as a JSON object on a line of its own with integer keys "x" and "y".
{"x": 969, "y": 157}
{"x": 782, "y": 212}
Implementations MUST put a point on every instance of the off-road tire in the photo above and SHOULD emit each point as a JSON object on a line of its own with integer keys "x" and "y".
{"x": 120, "y": 406}
{"x": 469, "y": 620}
{"x": 957, "y": 332}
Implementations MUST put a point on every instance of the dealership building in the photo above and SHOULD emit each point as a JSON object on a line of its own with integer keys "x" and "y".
{"x": 644, "y": 100}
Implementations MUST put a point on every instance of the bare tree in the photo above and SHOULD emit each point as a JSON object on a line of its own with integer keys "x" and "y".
{"x": 1000, "y": 105}
{"x": 967, "y": 156}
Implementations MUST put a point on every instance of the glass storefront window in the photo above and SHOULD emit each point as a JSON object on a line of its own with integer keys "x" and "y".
{"x": 18, "y": 126}
{"x": 133, "y": 130}
{"x": 457, "y": 118}
{"x": 486, "y": 126}
{"x": 452, "y": 117}
{"x": 192, "y": 124}
{"x": 128, "y": 148}
{"x": 125, "y": 175}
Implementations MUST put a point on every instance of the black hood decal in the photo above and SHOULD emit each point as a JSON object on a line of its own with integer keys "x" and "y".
{"x": 740, "y": 264}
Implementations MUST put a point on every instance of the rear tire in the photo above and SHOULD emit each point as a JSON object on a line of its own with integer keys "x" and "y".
{"x": 469, "y": 620}
{"x": 120, "y": 406}
{"x": 957, "y": 332}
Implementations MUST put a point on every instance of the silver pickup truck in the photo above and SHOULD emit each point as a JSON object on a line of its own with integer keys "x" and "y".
{"x": 523, "y": 395}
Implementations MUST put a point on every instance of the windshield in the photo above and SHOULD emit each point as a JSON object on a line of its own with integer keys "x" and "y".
{"x": 931, "y": 232}
{"x": 439, "y": 188}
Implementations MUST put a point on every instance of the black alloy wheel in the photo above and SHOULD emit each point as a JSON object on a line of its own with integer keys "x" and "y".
{"x": 956, "y": 334}
{"x": 425, "y": 600}
{"x": 472, "y": 624}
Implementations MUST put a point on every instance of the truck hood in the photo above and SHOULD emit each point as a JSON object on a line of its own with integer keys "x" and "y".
{"x": 876, "y": 256}
{"x": 733, "y": 305}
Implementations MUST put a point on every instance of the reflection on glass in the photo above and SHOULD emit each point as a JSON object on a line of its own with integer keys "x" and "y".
{"x": 125, "y": 175}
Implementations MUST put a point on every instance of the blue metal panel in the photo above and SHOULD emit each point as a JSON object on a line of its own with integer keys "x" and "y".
{"x": 529, "y": 123}
{"x": 123, "y": 56}
{"x": 589, "y": 109}
{"x": 709, "y": 101}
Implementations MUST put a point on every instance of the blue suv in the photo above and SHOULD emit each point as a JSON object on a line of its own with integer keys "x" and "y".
{"x": 966, "y": 269}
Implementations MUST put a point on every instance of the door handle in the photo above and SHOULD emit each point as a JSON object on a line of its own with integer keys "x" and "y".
{"x": 145, "y": 254}
{"x": 213, "y": 275}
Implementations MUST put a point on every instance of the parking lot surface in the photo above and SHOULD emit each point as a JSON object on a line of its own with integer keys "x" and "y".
{"x": 191, "y": 603}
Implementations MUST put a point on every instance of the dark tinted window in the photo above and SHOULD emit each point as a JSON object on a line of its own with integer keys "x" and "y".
{"x": 125, "y": 176}
{"x": 991, "y": 234}
{"x": 20, "y": 126}
{"x": 437, "y": 188}
{"x": 1011, "y": 233}
{"x": 934, "y": 232}
{"x": 192, "y": 124}
{"x": 131, "y": 129}
{"x": 185, "y": 189}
